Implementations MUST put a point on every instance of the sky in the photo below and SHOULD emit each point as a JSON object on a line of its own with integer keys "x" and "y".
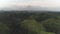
{"x": 41, "y": 3}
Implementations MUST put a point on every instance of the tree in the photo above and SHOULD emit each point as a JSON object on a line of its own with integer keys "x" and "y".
{"x": 52, "y": 25}
{"x": 13, "y": 21}
{"x": 41, "y": 17}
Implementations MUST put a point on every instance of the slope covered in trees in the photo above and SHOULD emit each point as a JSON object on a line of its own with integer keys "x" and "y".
{"x": 26, "y": 22}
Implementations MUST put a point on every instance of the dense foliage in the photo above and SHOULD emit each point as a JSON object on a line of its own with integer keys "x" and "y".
{"x": 27, "y": 22}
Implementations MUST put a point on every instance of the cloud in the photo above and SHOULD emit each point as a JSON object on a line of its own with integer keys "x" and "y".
{"x": 41, "y": 3}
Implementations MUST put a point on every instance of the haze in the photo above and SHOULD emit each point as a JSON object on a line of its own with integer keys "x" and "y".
{"x": 39, "y": 3}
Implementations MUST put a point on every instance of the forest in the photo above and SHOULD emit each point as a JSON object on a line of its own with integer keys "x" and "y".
{"x": 29, "y": 22}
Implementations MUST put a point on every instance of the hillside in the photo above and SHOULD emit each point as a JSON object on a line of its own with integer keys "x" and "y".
{"x": 25, "y": 22}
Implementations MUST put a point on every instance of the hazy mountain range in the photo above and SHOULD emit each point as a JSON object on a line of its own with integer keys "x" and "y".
{"x": 34, "y": 8}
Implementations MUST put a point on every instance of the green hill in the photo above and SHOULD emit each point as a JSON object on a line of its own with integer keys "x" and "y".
{"x": 33, "y": 26}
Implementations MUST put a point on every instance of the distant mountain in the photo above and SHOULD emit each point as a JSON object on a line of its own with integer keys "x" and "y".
{"x": 33, "y": 8}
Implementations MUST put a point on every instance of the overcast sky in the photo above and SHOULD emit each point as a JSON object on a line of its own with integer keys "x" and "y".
{"x": 41, "y": 3}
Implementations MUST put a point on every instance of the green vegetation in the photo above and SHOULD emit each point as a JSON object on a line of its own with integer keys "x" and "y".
{"x": 32, "y": 25}
{"x": 25, "y": 22}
